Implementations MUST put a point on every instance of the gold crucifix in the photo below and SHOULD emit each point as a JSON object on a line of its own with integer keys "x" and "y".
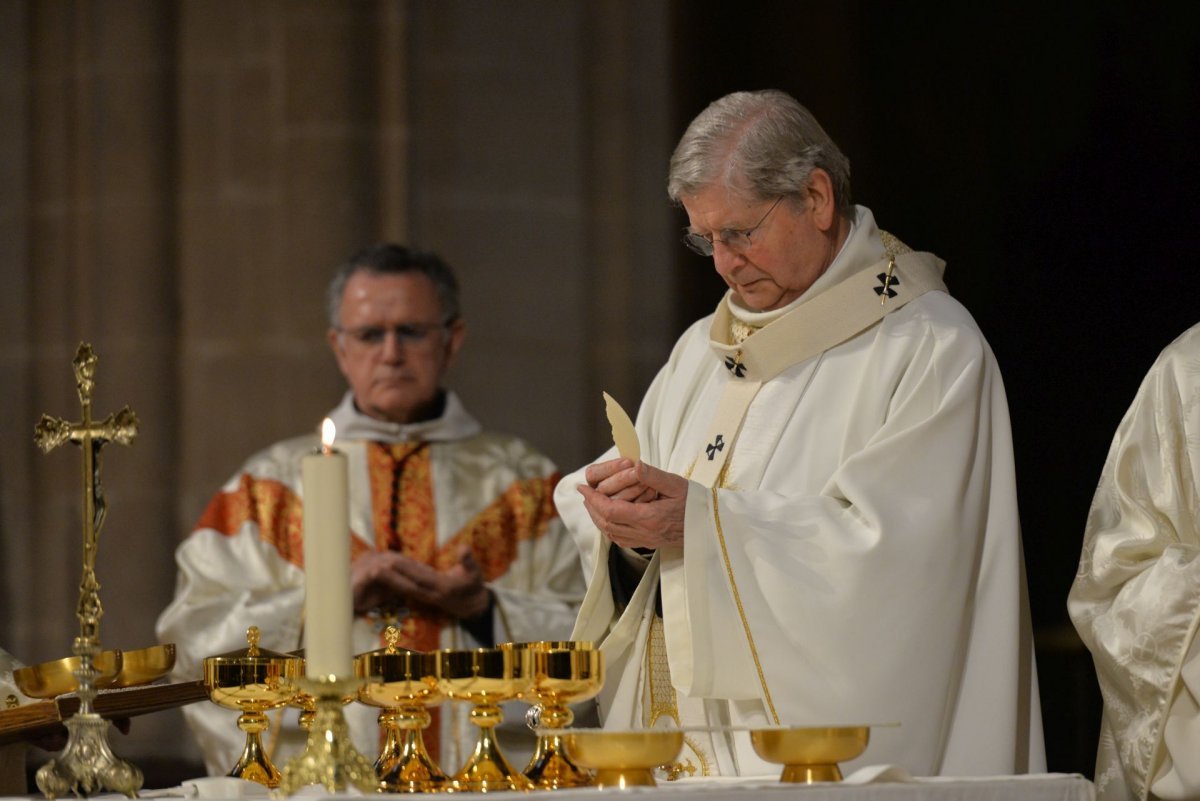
{"x": 87, "y": 764}
{"x": 49, "y": 433}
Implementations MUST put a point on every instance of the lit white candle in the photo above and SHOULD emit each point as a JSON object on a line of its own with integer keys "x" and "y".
{"x": 328, "y": 605}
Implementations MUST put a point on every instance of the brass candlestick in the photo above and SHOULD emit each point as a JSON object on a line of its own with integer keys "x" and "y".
{"x": 330, "y": 758}
{"x": 87, "y": 764}
{"x": 486, "y": 677}
{"x": 563, "y": 673}
{"x": 404, "y": 684}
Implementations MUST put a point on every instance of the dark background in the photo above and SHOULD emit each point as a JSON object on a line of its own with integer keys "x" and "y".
{"x": 1048, "y": 154}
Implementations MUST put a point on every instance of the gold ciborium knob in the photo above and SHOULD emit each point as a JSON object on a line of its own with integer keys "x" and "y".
{"x": 252, "y": 681}
{"x": 403, "y": 684}
{"x": 563, "y": 673}
{"x": 486, "y": 677}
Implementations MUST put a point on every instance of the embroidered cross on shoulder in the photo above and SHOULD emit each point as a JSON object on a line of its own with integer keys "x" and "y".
{"x": 736, "y": 367}
{"x": 887, "y": 281}
{"x": 717, "y": 445}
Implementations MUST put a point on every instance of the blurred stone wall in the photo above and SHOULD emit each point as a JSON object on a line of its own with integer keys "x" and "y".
{"x": 177, "y": 182}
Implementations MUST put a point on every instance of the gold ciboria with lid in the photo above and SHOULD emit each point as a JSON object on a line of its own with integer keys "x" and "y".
{"x": 252, "y": 681}
{"x": 404, "y": 684}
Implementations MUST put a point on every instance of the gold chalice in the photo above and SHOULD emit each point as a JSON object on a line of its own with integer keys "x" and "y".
{"x": 563, "y": 673}
{"x": 403, "y": 684}
{"x": 486, "y": 677}
{"x": 623, "y": 758}
{"x": 253, "y": 681}
{"x": 810, "y": 754}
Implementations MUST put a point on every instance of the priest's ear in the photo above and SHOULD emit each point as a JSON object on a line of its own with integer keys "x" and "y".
{"x": 820, "y": 192}
{"x": 456, "y": 334}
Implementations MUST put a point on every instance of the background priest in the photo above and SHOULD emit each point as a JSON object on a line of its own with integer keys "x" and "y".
{"x": 454, "y": 533}
{"x": 822, "y": 525}
{"x": 1136, "y": 598}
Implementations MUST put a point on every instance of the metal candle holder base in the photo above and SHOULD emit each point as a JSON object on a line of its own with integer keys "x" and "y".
{"x": 330, "y": 758}
{"x": 87, "y": 765}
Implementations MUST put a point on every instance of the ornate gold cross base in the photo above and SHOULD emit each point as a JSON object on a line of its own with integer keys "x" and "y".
{"x": 87, "y": 765}
{"x": 329, "y": 758}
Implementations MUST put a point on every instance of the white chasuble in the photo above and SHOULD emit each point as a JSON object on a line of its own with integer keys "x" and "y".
{"x": 1136, "y": 597}
{"x": 852, "y": 547}
{"x": 430, "y": 490}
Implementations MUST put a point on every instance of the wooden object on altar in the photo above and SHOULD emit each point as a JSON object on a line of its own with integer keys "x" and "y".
{"x": 31, "y": 721}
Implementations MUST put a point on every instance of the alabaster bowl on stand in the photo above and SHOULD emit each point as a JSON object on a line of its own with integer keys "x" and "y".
{"x": 252, "y": 681}
{"x": 810, "y": 754}
{"x": 486, "y": 678}
{"x": 623, "y": 758}
{"x": 564, "y": 673}
{"x": 52, "y": 679}
{"x": 403, "y": 684}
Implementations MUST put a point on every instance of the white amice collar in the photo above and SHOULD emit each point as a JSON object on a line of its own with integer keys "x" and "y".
{"x": 758, "y": 319}
{"x": 454, "y": 423}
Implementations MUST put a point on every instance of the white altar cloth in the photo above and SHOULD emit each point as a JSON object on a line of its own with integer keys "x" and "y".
{"x": 868, "y": 784}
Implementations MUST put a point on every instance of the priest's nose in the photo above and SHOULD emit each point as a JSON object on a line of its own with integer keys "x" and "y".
{"x": 393, "y": 349}
{"x": 726, "y": 260}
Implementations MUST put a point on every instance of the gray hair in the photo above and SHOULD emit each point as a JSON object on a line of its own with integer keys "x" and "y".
{"x": 389, "y": 259}
{"x": 764, "y": 142}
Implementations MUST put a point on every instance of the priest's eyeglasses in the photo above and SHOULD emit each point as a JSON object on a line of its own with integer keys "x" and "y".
{"x": 370, "y": 337}
{"x": 736, "y": 239}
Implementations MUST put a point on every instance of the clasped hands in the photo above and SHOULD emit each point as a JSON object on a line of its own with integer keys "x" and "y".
{"x": 381, "y": 579}
{"x": 635, "y": 505}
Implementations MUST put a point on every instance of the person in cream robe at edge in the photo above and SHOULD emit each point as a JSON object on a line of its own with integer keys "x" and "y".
{"x": 12, "y": 756}
{"x": 454, "y": 536}
{"x": 822, "y": 527}
{"x": 1136, "y": 597}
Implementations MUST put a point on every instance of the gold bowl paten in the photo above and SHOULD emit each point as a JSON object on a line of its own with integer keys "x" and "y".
{"x": 145, "y": 665}
{"x": 252, "y": 681}
{"x": 52, "y": 679}
{"x": 810, "y": 754}
{"x": 623, "y": 758}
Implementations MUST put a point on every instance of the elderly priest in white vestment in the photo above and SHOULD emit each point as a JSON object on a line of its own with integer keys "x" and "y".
{"x": 1136, "y": 597}
{"x": 822, "y": 527}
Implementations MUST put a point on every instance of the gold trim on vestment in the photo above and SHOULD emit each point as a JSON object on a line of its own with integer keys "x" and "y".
{"x": 737, "y": 599}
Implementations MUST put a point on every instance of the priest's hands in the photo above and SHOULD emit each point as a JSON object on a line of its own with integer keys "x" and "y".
{"x": 635, "y": 505}
{"x": 381, "y": 579}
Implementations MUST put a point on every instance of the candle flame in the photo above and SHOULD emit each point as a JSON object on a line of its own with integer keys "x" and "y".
{"x": 328, "y": 429}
